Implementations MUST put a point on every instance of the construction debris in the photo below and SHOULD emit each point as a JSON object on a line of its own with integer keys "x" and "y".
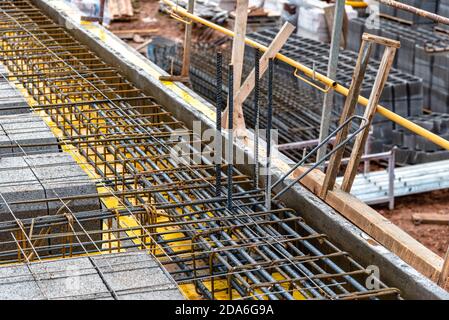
{"x": 120, "y": 10}
{"x": 431, "y": 218}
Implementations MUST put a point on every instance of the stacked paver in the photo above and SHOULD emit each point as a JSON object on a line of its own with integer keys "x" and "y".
{"x": 414, "y": 149}
{"x": 125, "y": 276}
{"x": 32, "y": 168}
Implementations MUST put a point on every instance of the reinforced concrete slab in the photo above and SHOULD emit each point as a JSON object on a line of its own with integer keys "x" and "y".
{"x": 132, "y": 275}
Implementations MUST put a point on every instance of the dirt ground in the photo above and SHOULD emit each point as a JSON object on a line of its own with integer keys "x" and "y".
{"x": 147, "y": 16}
{"x": 435, "y": 237}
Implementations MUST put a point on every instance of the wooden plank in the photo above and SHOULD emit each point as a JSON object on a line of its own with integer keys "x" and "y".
{"x": 238, "y": 50}
{"x": 329, "y": 17}
{"x": 187, "y": 43}
{"x": 378, "y": 227}
{"x": 430, "y": 218}
{"x": 136, "y": 31}
{"x": 381, "y": 40}
{"x": 348, "y": 111}
{"x": 444, "y": 275}
{"x": 120, "y": 9}
{"x": 144, "y": 45}
{"x": 381, "y": 78}
{"x": 273, "y": 49}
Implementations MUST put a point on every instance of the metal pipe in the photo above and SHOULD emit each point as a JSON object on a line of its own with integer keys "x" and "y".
{"x": 419, "y": 12}
{"x": 337, "y": 27}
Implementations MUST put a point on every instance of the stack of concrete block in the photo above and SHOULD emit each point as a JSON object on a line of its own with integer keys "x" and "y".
{"x": 11, "y": 101}
{"x": 403, "y": 92}
{"x": 423, "y": 53}
{"x": 428, "y": 5}
{"x": 414, "y": 149}
{"x": 126, "y": 276}
{"x": 53, "y": 175}
{"x": 39, "y": 177}
{"x": 30, "y": 173}
{"x": 18, "y": 131}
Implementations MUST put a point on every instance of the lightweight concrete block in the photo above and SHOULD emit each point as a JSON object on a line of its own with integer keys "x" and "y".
{"x": 17, "y": 283}
{"x": 25, "y": 129}
{"x": 134, "y": 275}
{"x": 62, "y": 177}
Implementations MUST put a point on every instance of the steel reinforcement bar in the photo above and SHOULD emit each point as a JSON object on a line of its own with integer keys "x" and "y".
{"x": 318, "y": 77}
{"x": 155, "y": 202}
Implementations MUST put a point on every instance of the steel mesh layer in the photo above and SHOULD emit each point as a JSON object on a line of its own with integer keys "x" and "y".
{"x": 124, "y": 140}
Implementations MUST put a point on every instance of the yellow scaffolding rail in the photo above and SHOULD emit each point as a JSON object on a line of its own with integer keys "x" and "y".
{"x": 443, "y": 143}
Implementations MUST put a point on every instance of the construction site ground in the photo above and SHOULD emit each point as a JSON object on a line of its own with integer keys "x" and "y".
{"x": 148, "y": 17}
{"x": 432, "y": 236}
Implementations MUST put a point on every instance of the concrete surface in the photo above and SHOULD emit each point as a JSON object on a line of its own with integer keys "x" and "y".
{"x": 23, "y": 129}
{"x": 134, "y": 275}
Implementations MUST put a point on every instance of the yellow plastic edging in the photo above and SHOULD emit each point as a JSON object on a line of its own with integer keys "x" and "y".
{"x": 356, "y": 4}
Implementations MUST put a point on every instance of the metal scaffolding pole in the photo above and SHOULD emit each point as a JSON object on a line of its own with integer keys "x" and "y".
{"x": 331, "y": 73}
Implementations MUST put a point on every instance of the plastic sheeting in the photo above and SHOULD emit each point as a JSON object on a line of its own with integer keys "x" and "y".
{"x": 91, "y": 8}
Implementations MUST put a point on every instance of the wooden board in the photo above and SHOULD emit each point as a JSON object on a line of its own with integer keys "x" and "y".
{"x": 378, "y": 227}
{"x": 273, "y": 49}
{"x": 120, "y": 9}
{"x": 238, "y": 51}
{"x": 431, "y": 218}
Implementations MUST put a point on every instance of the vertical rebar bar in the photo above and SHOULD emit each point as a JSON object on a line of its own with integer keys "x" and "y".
{"x": 230, "y": 131}
{"x": 256, "y": 117}
{"x": 218, "y": 140}
{"x": 268, "y": 135}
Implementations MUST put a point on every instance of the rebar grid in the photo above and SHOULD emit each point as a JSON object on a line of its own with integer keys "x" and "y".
{"x": 155, "y": 203}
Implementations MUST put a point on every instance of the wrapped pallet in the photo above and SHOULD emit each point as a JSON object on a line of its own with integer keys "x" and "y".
{"x": 91, "y": 8}
{"x": 312, "y": 21}
{"x": 114, "y": 9}
{"x": 315, "y": 19}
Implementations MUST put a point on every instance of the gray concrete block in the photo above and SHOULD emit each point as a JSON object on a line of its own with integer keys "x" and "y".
{"x": 25, "y": 129}
{"x": 18, "y": 183}
{"x": 61, "y": 177}
{"x": 69, "y": 279}
{"x": 17, "y": 283}
{"x": 134, "y": 275}
{"x": 39, "y": 177}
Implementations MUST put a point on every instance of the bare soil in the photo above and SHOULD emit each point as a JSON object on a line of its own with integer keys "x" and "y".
{"x": 147, "y": 16}
{"x": 434, "y": 237}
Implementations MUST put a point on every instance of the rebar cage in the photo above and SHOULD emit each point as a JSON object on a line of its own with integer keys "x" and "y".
{"x": 122, "y": 138}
